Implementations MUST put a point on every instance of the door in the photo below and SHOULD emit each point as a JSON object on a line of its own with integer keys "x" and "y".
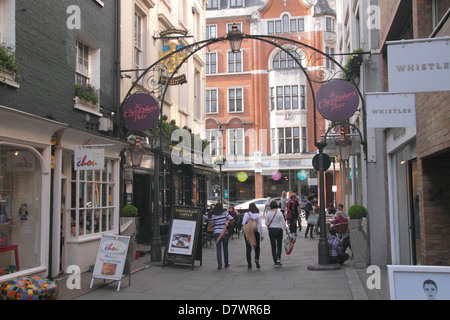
{"x": 142, "y": 200}
{"x": 414, "y": 226}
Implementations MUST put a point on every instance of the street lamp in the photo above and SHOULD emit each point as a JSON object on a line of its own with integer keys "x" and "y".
{"x": 343, "y": 146}
{"x": 235, "y": 37}
{"x": 137, "y": 153}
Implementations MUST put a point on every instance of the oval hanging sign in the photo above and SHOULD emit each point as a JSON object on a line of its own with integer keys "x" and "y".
{"x": 276, "y": 175}
{"x": 337, "y": 100}
{"x": 140, "y": 112}
{"x": 242, "y": 176}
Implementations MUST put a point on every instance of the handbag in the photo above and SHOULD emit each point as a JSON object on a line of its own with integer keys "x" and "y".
{"x": 313, "y": 219}
{"x": 289, "y": 242}
{"x": 253, "y": 222}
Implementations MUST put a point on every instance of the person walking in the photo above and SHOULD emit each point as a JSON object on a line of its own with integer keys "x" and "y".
{"x": 276, "y": 224}
{"x": 308, "y": 211}
{"x": 219, "y": 221}
{"x": 253, "y": 216}
{"x": 293, "y": 213}
{"x": 283, "y": 201}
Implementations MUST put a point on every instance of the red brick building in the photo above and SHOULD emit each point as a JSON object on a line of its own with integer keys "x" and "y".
{"x": 261, "y": 99}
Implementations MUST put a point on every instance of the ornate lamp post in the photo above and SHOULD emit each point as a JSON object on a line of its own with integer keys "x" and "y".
{"x": 220, "y": 162}
{"x": 137, "y": 153}
{"x": 235, "y": 38}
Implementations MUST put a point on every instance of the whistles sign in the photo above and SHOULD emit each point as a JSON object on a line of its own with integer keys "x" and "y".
{"x": 140, "y": 112}
{"x": 337, "y": 100}
{"x": 90, "y": 159}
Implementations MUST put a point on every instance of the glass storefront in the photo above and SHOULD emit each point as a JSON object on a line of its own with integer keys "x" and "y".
{"x": 304, "y": 182}
{"x": 20, "y": 209}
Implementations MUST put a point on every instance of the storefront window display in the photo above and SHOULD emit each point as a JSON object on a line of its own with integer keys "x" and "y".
{"x": 92, "y": 201}
{"x": 20, "y": 209}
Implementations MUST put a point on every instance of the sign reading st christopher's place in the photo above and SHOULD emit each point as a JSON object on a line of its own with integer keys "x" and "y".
{"x": 140, "y": 111}
{"x": 337, "y": 100}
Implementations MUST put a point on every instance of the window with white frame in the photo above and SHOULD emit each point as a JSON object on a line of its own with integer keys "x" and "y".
{"x": 92, "y": 204}
{"x": 82, "y": 72}
{"x": 8, "y": 22}
{"x": 214, "y": 140}
{"x": 288, "y": 140}
{"x": 211, "y": 62}
{"x": 235, "y": 100}
{"x": 304, "y": 147}
{"x": 329, "y": 24}
{"x": 287, "y": 97}
{"x": 212, "y": 4}
{"x": 138, "y": 32}
{"x": 230, "y": 26}
{"x": 211, "y": 31}
{"x": 234, "y": 62}
{"x": 440, "y": 8}
{"x": 286, "y": 25}
{"x": 236, "y": 3}
{"x": 235, "y": 141}
{"x": 302, "y": 97}
{"x": 211, "y": 101}
{"x": 283, "y": 60}
{"x": 329, "y": 63}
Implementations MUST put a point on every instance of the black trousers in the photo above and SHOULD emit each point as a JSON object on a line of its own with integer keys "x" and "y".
{"x": 249, "y": 249}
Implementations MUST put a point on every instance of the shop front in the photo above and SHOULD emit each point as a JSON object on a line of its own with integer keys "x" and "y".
{"x": 25, "y": 184}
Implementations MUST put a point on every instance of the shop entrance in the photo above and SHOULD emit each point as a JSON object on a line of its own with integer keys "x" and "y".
{"x": 142, "y": 194}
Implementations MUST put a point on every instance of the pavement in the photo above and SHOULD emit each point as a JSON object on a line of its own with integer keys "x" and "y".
{"x": 295, "y": 280}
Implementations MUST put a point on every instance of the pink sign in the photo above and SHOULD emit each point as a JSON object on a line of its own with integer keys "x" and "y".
{"x": 140, "y": 111}
{"x": 337, "y": 100}
{"x": 276, "y": 175}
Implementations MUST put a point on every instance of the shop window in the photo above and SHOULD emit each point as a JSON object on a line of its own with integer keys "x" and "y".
{"x": 20, "y": 209}
{"x": 92, "y": 201}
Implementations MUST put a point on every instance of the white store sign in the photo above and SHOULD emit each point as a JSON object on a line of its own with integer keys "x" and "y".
{"x": 387, "y": 110}
{"x": 419, "y": 66}
{"x": 89, "y": 159}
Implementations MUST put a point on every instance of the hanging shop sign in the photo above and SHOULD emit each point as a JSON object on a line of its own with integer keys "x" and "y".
{"x": 388, "y": 110}
{"x": 111, "y": 258}
{"x": 172, "y": 62}
{"x": 419, "y": 65}
{"x": 337, "y": 100}
{"x": 242, "y": 176}
{"x": 89, "y": 159}
{"x": 302, "y": 175}
{"x": 276, "y": 175}
{"x": 140, "y": 112}
{"x": 183, "y": 245}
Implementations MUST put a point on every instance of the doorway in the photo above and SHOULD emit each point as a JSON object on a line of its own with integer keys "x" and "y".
{"x": 142, "y": 200}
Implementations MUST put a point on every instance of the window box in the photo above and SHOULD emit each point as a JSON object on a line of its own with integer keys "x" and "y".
{"x": 87, "y": 106}
{"x": 9, "y": 78}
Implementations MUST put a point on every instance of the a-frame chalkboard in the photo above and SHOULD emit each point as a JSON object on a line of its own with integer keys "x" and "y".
{"x": 185, "y": 232}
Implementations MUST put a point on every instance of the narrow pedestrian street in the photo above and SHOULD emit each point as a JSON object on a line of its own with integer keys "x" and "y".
{"x": 291, "y": 282}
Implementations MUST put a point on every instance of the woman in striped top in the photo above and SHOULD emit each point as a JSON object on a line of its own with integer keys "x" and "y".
{"x": 219, "y": 221}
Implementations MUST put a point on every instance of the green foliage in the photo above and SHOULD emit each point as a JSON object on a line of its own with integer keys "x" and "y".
{"x": 87, "y": 93}
{"x": 129, "y": 211}
{"x": 351, "y": 63}
{"x": 8, "y": 61}
{"x": 357, "y": 211}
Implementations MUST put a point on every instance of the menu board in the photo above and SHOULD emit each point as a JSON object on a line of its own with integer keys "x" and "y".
{"x": 184, "y": 233}
{"x": 111, "y": 257}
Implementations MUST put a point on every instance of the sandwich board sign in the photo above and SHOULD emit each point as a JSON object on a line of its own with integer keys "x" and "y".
{"x": 111, "y": 258}
{"x": 185, "y": 229}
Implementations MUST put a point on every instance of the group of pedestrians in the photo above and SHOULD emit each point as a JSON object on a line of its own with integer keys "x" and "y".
{"x": 253, "y": 233}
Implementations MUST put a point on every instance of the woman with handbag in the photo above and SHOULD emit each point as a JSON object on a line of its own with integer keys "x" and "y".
{"x": 253, "y": 234}
{"x": 276, "y": 224}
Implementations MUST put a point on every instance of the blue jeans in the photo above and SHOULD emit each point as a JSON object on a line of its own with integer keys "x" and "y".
{"x": 223, "y": 242}
{"x": 276, "y": 241}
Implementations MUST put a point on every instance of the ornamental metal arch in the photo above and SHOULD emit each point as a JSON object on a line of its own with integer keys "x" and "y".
{"x": 150, "y": 80}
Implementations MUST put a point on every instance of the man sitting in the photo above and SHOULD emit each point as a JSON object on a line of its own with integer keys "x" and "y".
{"x": 336, "y": 253}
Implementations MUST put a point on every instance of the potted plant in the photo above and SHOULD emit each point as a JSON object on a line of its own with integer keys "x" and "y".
{"x": 129, "y": 211}
{"x": 87, "y": 93}
{"x": 8, "y": 65}
{"x": 128, "y": 218}
{"x": 358, "y": 236}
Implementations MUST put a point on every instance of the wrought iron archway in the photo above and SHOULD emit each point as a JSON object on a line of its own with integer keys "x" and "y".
{"x": 150, "y": 80}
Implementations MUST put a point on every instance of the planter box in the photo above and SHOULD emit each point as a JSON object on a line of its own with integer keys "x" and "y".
{"x": 9, "y": 79}
{"x": 87, "y": 106}
{"x": 359, "y": 242}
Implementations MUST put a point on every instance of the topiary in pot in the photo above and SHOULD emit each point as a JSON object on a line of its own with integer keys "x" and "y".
{"x": 357, "y": 211}
{"x": 129, "y": 211}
